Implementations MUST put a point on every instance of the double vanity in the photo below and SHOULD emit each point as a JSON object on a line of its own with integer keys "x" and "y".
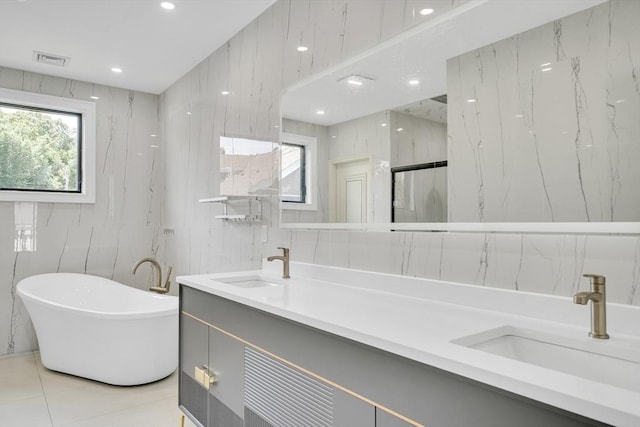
{"x": 340, "y": 347}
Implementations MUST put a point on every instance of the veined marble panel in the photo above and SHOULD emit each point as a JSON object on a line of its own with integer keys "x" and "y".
{"x": 104, "y": 238}
{"x": 544, "y": 125}
{"x": 532, "y": 263}
{"x": 419, "y": 141}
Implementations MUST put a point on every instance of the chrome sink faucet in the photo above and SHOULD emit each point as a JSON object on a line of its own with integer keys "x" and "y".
{"x": 159, "y": 287}
{"x": 285, "y": 261}
{"x": 597, "y": 296}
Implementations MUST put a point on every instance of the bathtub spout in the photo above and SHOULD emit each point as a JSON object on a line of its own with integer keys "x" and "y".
{"x": 159, "y": 287}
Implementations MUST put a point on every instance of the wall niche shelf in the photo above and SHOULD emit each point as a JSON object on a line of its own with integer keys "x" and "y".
{"x": 253, "y": 207}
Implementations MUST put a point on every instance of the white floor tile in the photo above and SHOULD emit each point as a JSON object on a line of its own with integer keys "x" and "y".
{"x": 95, "y": 400}
{"x": 33, "y": 396}
{"x": 18, "y": 378}
{"x": 162, "y": 413}
{"x": 25, "y": 413}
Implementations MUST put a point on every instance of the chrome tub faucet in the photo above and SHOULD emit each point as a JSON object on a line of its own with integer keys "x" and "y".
{"x": 597, "y": 296}
{"x": 285, "y": 261}
{"x": 159, "y": 287}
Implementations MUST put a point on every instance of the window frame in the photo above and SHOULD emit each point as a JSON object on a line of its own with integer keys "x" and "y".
{"x": 310, "y": 171}
{"x": 87, "y": 148}
{"x": 303, "y": 173}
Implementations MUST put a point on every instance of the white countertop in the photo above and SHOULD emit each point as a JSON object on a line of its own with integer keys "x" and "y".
{"x": 418, "y": 319}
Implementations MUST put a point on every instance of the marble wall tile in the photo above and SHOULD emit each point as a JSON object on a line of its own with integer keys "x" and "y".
{"x": 552, "y": 134}
{"x": 257, "y": 65}
{"x": 531, "y": 263}
{"x": 104, "y": 238}
{"x": 420, "y": 141}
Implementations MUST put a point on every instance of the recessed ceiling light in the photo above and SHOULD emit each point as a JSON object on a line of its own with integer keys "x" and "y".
{"x": 547, "y": 69}
{"x": 188, "y": 113}
{"x": 320, "y": 112}
{"x": 400, "y": 129}
{"x": 519, "y": 116}
{"x": 167, "y": 5}
{"x": 94, "y": 97}
{"x": 154, "y": 146}
{"x": 276, "y": 126}
{"x": 153, "y": 135}
{"x": 619, "y": 101}
{"x": 470, "y": 101}
{"x": 354, "y": 82}
{"x": 302, "y": 48}
{"x": 116, "y": 69}
{"x": 225, "y": 92}
{"x": 414, "y": 82}
{"x": 384, "y": 125}
{"x": 545, "y": 64}
{"x": 426, "y": 11}
{"x": 334, "y": 136}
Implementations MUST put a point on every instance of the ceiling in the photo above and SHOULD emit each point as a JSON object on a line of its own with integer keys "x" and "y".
{"x": 153, "y": 46}
{"x": 419, "y": 54}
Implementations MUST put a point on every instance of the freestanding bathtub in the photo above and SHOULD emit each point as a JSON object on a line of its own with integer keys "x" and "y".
{"x": 99, "y": 329}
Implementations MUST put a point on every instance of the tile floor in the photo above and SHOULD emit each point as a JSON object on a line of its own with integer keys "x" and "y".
{"x": 33, "y": 396}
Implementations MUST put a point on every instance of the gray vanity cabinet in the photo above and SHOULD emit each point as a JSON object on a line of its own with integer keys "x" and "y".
{"x": 383, "y": 419}
{"x": 194, "y": 352}
{"x": 211, "y": 375}
{"x": 349, "y": 411}
{"x": 273, "y": 372}
{"x": 226, "y": 392}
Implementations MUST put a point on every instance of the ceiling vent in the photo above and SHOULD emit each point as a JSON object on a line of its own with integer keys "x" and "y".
{"x": 51, "y": 59}
{"x": 356, "y": 79}
{"x": 442, "y": 99}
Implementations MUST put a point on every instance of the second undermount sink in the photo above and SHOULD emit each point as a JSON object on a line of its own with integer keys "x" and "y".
{"x": 605, "y": 361}
{"x": 247, "y": 282}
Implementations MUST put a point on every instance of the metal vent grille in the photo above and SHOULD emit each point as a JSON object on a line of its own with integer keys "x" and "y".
{"x": 50, "y": 59}
{"x": 285, "y": 397}
{"x": 442, "y": 99}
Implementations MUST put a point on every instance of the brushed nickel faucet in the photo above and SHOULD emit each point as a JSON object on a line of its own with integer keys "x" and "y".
{"x": 597, "y": 296}
{"x": 285, "y": 261}
{"x": 159, "y": 287}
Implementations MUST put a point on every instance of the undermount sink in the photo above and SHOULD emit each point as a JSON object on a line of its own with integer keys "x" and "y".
{"x": 605, "y": 361}
{"x": 247, "y": 282}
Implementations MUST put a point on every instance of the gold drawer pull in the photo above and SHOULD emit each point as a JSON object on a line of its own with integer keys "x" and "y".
{"x": 204, "y": 376}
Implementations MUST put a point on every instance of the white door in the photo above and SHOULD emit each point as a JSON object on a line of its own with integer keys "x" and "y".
{"x": 352, "y": 182}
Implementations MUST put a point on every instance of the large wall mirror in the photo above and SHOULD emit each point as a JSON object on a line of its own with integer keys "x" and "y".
{"x": 493, "y": 116}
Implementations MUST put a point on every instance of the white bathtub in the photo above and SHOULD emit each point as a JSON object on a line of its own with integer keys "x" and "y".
{"x": 99, "y": 329}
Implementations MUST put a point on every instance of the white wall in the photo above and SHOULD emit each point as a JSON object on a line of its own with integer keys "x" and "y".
{"x": 104, "y": 238}
{"x": 257, "y": 64}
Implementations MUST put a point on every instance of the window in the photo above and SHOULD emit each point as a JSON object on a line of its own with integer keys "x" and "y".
{"x": 292, "y": 186}
{"x": 298, "y": 172}
{"x": 47, "y": 148}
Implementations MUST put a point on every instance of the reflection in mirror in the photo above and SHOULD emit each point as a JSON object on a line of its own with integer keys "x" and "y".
{"x": 419, "y": 193}
{"x": 538, "y": 124}
{"x": 246, "y": 166}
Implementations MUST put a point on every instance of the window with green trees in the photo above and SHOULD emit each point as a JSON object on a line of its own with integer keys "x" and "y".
{"x": 47, "y": 148}
{"x": 39, "y": 149}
